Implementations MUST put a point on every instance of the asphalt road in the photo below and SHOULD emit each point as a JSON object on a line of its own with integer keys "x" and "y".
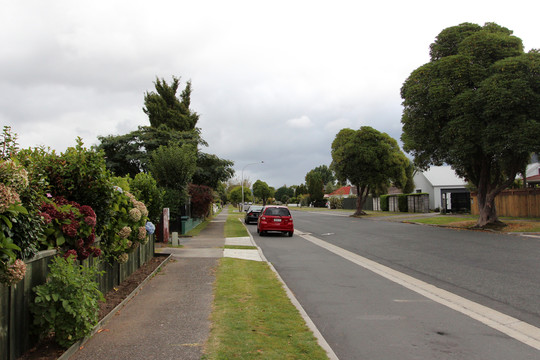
{"x": 365, "y": 316}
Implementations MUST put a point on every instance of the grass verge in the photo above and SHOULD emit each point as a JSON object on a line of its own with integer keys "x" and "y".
{"x": 240, "y": 247}
{"x": 233, "y": 226}
{"x": 469, "y": 221}
{"x": 254, "y": 318}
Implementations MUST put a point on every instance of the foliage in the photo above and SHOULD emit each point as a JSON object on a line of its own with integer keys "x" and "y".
{"x": 315, "y": 186}
{"x": 126, "y": 230}
{"x": 70, "y": 227}
{"x": 327, "y": 175}
{"x": 368, "y": 159}
{"x": 79, "y": 174}
{"x": 163, "y": 107}
{"x": 211, "y": 170}
{"x": 403, "y": 205}
{"x": 235, "y": 195}
{"x": 201, "y": 198}
{"x": 385, "y": 206}
{"x": 336, "y": 203}
{"x": 13, "y": 179}
{"x": 130, "y": 154}
{"x": 303, "y": 199}
{"x": 262, "y": 191}
{"x": 124, "y": 154}
{"x": 475, "y": 106}
{"x": 68, "y": 303}
{"x": 8, "y": 144}
{"x": 283, "y": 194}
{"x": 144, "y": 187}
{"x": 173, "y": 167}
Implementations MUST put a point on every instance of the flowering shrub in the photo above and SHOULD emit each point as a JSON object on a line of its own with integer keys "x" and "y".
{"x": 13, "y": 273}
{"x": 201, "y": 198}
{"x": 126, "y": 230}
{"x": 70, "y": 226}
{"x": 68, "y": 303}
{"x": 13, "y": 178}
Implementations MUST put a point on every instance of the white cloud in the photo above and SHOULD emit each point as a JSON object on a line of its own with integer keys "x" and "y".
{"x": 303, "y": 122}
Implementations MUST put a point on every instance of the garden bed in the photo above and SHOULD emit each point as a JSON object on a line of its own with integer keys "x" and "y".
{"x": 49, "y": 350}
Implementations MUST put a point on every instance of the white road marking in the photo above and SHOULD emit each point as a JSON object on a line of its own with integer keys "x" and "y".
{"x": 508, "y": 325}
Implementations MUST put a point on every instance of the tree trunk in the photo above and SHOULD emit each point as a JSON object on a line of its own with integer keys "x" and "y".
{"x": 362, "y": 196}
{"x": 486, "y": 209}
{"x": 487, "y": 192}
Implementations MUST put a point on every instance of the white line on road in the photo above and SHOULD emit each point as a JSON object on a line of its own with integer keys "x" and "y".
{"x": 508, "y": 325}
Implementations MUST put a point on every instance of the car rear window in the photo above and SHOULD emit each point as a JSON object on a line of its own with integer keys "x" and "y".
{"x": 277, "y": 212}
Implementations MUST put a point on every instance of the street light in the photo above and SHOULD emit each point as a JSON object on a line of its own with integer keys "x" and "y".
{"x": 255, "y": 163}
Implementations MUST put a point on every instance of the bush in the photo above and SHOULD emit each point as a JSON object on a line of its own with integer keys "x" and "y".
{"x": 70, "y": 226}
{"x": 78, "y": 174}
{"x": 336, "y": 203}
{"x": 126, "y": 230}
{"x": 145, "y": 188}
{"x": 201, "y": 198}
{"x": 385, "y": 206}
{"x": 68, "y": 304}
{"x": 403, "y": 205}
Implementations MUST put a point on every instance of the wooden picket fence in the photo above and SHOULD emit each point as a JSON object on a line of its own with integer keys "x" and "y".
{"x": 15, "y": 318}
{"x": 514, "y": 203}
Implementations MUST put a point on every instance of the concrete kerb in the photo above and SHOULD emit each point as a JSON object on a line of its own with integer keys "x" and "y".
{"x": 310, "y": 324}
{"x": 79, "y": 344}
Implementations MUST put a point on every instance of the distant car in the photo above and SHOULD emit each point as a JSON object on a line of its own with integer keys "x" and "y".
{"x": 252, "y": 214}
{"x": 275, "y": 218}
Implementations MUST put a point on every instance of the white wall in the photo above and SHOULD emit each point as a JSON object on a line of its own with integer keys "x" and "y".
{"x": 421, "y": 184}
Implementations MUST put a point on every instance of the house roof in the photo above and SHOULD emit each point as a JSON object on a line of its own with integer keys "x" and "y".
{"x": 342, "y": 191}
{"x": 443, "y": 176}
{"x": 534, "y": 179}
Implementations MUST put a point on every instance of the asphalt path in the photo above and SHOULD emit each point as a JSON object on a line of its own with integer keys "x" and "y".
{"x": 365, "y": 316}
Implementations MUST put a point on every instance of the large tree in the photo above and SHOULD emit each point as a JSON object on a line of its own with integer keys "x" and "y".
{"x": 315, "y": 186}
{"x": 476, "y": 107}
{"x": 262, "y": 190}
{"x": 164, "y": 108}
{"x": 369, "y": 160}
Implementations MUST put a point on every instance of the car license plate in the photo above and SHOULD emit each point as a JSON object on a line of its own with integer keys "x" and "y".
{"x": 277, "y": 220}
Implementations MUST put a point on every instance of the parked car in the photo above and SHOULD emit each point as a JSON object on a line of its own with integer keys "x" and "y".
{"x": 275, "y": 218}
{"x": 252, "y": 214}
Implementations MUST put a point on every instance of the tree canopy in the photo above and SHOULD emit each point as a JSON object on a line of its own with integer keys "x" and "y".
{"x": 367, "y": 159}
{"x": 164, "y": 108}
{"x": 315, "y": 186}
{"x": 262, "y": 190}
{"x": 476, "y": 107}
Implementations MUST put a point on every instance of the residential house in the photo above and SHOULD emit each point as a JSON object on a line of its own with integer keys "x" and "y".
{"x": 446, "y": 190}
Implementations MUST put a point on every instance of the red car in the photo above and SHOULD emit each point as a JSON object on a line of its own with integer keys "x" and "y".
{"x": 275, "y": 218}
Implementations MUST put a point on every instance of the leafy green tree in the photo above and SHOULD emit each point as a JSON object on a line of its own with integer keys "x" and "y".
{"x": 173, "y": 167}
{"x": 164, "y": 108}
{"x": 327, "y": 175}
{"x": 284, "y": 193}
{"x": 315, "y": 187}
{"x": 368, "y": 159}
{"x": 211, "y": 170}
{"x": 476, "y": 107}
{"x": 145, "y": 188}
{"x": 235, "y": 195}
{"x": 262, "y": 191}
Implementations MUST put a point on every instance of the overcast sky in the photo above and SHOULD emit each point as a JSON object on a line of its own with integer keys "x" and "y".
{"x": 273, "y": 81}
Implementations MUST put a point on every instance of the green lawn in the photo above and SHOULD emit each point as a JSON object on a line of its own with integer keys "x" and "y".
{"x": 233, "y": 225}
{"x": 254, "y": 319}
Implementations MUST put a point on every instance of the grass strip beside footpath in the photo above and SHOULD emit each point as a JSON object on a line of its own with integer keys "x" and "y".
{"x": 254, "y": 318}
{"x": 511, "y": 225}
{"x": 233, "y": 226}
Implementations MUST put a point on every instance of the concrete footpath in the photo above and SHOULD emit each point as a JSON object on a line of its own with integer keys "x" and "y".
{"x": 170, "y": 317}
